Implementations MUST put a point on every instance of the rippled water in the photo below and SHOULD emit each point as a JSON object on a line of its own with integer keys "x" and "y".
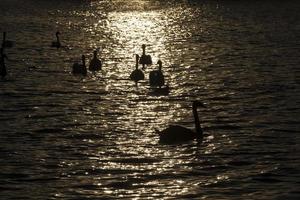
{"x": 72, "y": 137}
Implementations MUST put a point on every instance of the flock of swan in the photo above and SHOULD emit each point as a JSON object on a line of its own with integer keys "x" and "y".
{"x": 170, "y": 135}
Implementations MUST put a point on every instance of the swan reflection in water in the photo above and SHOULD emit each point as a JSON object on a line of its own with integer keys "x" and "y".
{"x": 179, "y": 134}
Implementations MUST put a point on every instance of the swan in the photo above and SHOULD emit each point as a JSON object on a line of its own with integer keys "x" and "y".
{"x": 95, "y": 64}
{"x": 178, "y": 134}
{"x": 80, "y": 68}
{"x": 156, "y": 77}
{"x": 57, "y": 42}
{"x": 6, "y": 43}
{"x": 3, "y": 70}
{"x": 137, "y": 74}
{"x": 145, "y": 59}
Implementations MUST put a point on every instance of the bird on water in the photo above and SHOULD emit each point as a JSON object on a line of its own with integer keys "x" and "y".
{"x": 179, "y": 134}
{"x": 3, "y": 70}
{"x": 95, "y": 64}
{"x": 56, "y": 43}
{"x": 6, "y": 43}
{"x": 145, "y": 59}
{"x": 156, "y": 77}
{"x": 80, "y": 69}
{"x": 137, "y": 74}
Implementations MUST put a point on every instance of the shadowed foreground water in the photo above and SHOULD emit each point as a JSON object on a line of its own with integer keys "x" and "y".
{"x": 93, "y": 137}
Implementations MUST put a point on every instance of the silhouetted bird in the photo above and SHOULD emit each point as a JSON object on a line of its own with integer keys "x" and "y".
{"x": 57, "y": 42}
{"x": 180, "y": 134}
{"x": 156, "y": 77}
{"x": 95, "y": 64}
{"x": 80, "y": 68}
{"x": 6, "y": 43}
{"x": 3, "y": 71}
{"x": 145, "y": 59}
{"x": 137, "y": 74}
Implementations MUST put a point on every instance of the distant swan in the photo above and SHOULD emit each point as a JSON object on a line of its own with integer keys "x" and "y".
{"x": 6, "y": 43}
{"x": 57, "y": 42}
{"x": 95, "y": 64}
{"x": 156, "y": 77}
{"x": 80, "y": 68}
{"x": 137, "y": 74}
{"x": 145, "y": 59}
{"x": 179, "y": 134}
{"x": 3, "y": 71}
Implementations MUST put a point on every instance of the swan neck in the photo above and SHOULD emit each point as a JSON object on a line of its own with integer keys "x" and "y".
{"x": 83, "y": 60}
{"x": 197, "y": 122}
{"x": 57, "y": 38}
{"x": 144, "y": 50}
{"x": 137, "y": 62}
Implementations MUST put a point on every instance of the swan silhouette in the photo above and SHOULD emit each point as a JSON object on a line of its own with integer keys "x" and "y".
{"x": 80, "y": 68}
{"x": 179, "y": 134}
{"x": 137, "y": 74}
{"x": 6, "y": 43}
{"x": 156, "y": 77}
{"x": 145, "y": 59}
{"x": 95, "y": 64}
{"x": 3, "y": 70}
{"x": 57, "y": 42}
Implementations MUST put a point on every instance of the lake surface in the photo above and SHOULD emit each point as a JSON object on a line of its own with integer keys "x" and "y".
{"x": 72, "y": 137}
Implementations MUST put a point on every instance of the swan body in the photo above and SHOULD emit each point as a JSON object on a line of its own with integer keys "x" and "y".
{"x": 180, "y": 134}
{"x": 6, "y": 43}
{"x": 145, "y": 59}
{"x": 80, "y": 68}
{"x": 3, "y": 70}
{"x": 156, "y": 77}
{"x": 137, "y": 74}
{"x": 95, "y": 64}
{"x": 56, "y": 43}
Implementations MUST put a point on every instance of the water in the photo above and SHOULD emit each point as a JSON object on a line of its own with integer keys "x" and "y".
{"x": 72, "y": 137}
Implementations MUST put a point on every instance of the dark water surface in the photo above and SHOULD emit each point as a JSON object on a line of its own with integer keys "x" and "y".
{"x": 72, "y": 137}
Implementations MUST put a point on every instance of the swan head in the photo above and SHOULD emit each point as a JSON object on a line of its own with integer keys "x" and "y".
{"x": 144, "y": 46}
{"x": 95, "y": 53}
{"x": 57, "y": 33}
{"x": 197, "y": 103}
